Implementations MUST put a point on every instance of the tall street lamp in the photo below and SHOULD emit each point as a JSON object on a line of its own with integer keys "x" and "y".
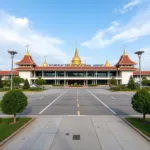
{"x": 139, "y": 53}
{"x": 12, "y": 53}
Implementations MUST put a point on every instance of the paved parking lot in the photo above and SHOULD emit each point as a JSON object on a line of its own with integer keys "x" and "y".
{"x": 93, "y": 114}
{"x": 79, "y": 101}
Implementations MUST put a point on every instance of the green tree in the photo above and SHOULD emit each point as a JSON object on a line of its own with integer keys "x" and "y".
{"x": 145, "y": 81}
{"x": 113, "y": 81}
{"x": 141, "y": 102}
{"x": 40, "y": 81}
{"x": 17, "y": 80}
{"x": 13, "y": 102}
{"x": 131, "y": 84}
{"x": 6, "y": 83}
{"x": 26, "y": 85}
{"x": 1, "y": 83}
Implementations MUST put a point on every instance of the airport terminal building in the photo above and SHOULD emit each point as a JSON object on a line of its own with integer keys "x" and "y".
{"x": 76, "y": 71}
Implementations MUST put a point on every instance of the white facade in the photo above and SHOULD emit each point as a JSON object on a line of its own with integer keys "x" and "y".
{"x": 26, "y": 75}
{"x": 122, "y": 77}
{"x": 126, "y": 76}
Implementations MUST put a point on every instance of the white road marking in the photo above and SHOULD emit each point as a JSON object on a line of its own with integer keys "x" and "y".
{"x": 41, "y": 97}
{"x": 102, "y": 102}
{"x": 112, "y": 97}
{"x": 52, "y": 102}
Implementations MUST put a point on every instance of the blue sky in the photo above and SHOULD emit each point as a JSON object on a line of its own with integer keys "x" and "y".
{"x": 100, "y": 27}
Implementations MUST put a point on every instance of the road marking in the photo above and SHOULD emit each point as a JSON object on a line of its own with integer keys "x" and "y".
{"x": 112, "y": 97}
{"x": 78, "y": 105}
{"x": 41, "y": 97}
{"x": 102, "y": 102}
{"x": 52, "y": 102}
{"x": 78, "y": 113}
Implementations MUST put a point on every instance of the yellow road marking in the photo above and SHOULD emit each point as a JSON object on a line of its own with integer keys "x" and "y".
{"x": 78, "y": 112}
{"x": 78, "y": 105}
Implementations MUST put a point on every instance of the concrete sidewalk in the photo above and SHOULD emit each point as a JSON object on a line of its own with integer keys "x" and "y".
{"x": 96, "y": 133}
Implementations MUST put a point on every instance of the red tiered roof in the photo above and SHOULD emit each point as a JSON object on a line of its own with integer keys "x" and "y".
{"x": 125, "y": 60}
{"x": 142, "y": 72}
{"x": 2, "y": 73}
{"x": 68, "y": 68}
{"x": 75, "y": 68}
{"x": 26, "y": 60}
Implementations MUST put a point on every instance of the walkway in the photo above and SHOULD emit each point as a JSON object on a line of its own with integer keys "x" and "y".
{"x": 89, "y": 132}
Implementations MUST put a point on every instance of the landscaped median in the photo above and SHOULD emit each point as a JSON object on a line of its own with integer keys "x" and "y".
{"x": 141, "y": 127}
{"x": 8, "y": 129}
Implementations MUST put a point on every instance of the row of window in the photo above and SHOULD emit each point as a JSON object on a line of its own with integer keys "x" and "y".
{"x": 76, "y": 74}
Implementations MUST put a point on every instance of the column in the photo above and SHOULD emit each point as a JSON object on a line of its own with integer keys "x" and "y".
{"x": 86, "y": 82}
{"x": 117, "y": 74}
{"x": 34, "y": 74}
{"x": 108, "y": 75}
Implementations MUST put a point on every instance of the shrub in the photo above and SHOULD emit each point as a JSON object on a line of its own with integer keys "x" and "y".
{"x": 1, "y": 84}
{"x": 92, "y": 85}
{"x": 119, "y": 88}
{"x": 40, "y": 81}
{"x": 35, "y": 89}
{"x": 141, "y": 102}
{"x": 131, "y": 84}
{"x": 26, "y": 85}
{"x": 13, "y": 102}
{"x": 113, "y": 82}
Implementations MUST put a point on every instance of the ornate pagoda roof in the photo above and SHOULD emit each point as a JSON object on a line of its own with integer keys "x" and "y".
{"x": 26, "y": 60}
{"x": 125, "y": 60}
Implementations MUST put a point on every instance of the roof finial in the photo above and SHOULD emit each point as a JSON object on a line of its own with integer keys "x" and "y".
{"x": 27, "y": 52}
{"x": 76, "y": 44}
{"x": 124, "y": 53}
{"x": 45, "y": 64}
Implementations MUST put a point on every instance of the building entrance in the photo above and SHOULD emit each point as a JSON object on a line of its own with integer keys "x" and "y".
{"x": 75, "y": 82}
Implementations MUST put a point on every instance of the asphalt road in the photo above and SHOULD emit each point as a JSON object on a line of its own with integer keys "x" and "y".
{"x": 79, "y": 101}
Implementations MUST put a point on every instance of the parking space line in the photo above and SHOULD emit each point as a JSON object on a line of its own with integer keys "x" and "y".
{"x": 112, "y": 97}
{"x": 101, "y": 102}
{"x": 52, "y": 102}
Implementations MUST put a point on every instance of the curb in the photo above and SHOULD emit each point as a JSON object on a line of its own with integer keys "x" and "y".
{"x": 16, "y": 132}
{"x": 137, "y": 130}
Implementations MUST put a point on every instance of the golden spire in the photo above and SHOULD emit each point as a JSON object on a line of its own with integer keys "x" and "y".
{"x": 124, "y": 53}
{"x": 45, "y": 64}
{"x": 27, "y": 52}
{"x": 107, "y": 64}
{"x": 76, "y": 59}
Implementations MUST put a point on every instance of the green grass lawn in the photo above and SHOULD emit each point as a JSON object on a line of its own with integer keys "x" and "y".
{"x": 6, "y": 128}
{"x": 138, "y": 123}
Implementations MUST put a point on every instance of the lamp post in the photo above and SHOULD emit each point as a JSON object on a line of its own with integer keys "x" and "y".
{"x": 12, "y": 53}
{"x": 139, "y": 53}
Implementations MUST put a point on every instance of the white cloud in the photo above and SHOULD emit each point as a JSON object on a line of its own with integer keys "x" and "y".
{"x": 16, "y": 33}
{"x": 129, "y": 6}
{"x": 137, "y": 27}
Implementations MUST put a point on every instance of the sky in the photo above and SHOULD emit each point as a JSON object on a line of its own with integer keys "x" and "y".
{"x": 101, "y": 29}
